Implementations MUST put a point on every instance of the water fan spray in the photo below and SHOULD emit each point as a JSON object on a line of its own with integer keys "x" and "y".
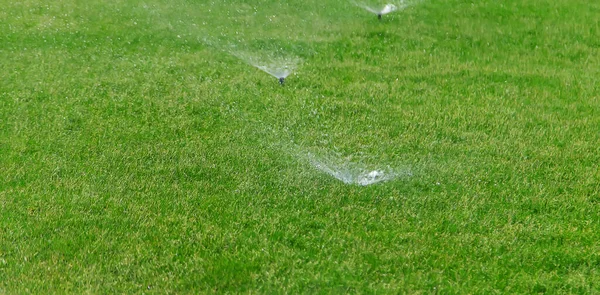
{"x": 381, "y": 11}
{"x": 277, "y": 67}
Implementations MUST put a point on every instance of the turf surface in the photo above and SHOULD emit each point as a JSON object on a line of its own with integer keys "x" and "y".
{"x": 138, "y": 156}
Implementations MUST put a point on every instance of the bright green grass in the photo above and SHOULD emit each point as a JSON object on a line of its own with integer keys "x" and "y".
{"x": 136, "y": 157}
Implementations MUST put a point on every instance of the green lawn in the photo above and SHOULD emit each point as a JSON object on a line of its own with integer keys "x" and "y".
{"x": 137, "y": 155}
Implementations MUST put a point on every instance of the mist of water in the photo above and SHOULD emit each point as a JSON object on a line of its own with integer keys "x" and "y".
{"x": 382, "y": 9}
{"x": 278, "y": 67}
{"x": 354, "y": 172}
{"x": 274, "y": 62}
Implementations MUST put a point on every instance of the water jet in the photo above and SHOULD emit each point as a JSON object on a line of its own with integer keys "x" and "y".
{"x": 278, "y": 67}
{"x": 353, "y": 172}
{"x": 381, "y": 11}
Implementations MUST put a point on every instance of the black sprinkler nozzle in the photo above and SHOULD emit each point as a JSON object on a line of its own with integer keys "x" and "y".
{"x": 281, "y": 80}
{"x": 379, "y": 16}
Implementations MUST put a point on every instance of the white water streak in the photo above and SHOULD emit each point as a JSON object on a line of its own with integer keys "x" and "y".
{"x": 276, "y": 67}
{"x": 379, "y": 10}
{"x": 353, "y": 173}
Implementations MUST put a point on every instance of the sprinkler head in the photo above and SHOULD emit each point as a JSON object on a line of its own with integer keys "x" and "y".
{"x": 281, "y": 80}
{"x": 379, "y": 16}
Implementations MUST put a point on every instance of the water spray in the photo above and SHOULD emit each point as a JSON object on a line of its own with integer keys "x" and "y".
{"x": 381, "y": 11}
{"x": 354, "y": 173}
{"x": 277, "y": 67}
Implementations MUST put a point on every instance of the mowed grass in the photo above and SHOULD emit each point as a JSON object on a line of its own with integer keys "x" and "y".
{"x": 137, "y": 156}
